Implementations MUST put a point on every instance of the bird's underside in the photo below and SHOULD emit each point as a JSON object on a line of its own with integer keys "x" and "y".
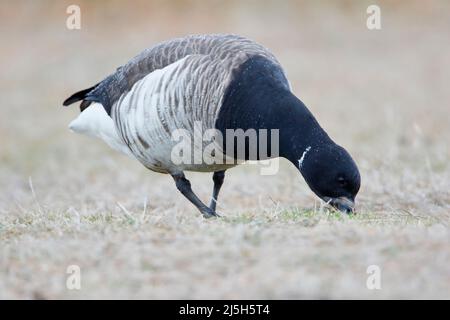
{"x": 173, "y": 88}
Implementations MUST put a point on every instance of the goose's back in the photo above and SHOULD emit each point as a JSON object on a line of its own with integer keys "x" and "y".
{"x": 231, "y": 50}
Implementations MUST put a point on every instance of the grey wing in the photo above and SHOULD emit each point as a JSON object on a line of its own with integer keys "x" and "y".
{"x": 232, "y": 50}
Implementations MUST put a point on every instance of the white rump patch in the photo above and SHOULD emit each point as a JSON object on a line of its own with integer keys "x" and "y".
{"x": 300, "y": 161}
{"x": 95, "y": 122}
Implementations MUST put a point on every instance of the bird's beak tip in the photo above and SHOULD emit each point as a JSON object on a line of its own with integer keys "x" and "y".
{"x": 343, "y": 204}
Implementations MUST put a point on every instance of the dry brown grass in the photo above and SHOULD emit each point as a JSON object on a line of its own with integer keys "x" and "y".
{"x": 382, "y": 94}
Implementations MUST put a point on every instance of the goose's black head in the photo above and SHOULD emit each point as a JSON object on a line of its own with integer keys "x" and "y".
{"x": 331, "y": 174}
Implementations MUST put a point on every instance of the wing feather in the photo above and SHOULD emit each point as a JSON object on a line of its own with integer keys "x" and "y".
{"x": 229, "y": 49}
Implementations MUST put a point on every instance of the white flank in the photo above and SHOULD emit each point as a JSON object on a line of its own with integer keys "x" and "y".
{"x": 95, "y": 122}
{"x": 143, "y": 110}
{"x": 300, "y": 161}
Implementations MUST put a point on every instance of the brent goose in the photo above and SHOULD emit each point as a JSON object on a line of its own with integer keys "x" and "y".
{"x": 218, "y": 82}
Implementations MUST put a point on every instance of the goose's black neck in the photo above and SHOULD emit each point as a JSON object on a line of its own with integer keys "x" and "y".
{"x": 259, "y": 98}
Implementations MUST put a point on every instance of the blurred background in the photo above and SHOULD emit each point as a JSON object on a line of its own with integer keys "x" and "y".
{"x": 382, "y": 94}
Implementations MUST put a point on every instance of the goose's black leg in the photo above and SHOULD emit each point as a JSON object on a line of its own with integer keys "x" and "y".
{"x": 184, "y": 186}
{"x": 218, "y": 177}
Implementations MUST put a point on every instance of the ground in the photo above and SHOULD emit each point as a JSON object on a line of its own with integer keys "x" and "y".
{"x": 68, "y": 200}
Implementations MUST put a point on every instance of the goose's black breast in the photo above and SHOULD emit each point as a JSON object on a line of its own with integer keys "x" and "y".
{"x": 251, "y": 98}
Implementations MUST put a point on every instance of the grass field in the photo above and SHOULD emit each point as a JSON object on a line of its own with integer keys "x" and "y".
{"x": 69, "y": 200}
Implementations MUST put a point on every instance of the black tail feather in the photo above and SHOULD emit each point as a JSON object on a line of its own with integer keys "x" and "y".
{"x": 78, "y": 96}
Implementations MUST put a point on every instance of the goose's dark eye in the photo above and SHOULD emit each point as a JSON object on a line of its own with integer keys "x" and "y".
{"x": 342, "y": 182}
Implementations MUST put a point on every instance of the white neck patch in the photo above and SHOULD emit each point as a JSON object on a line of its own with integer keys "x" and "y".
{"x": 300, "y": 161}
